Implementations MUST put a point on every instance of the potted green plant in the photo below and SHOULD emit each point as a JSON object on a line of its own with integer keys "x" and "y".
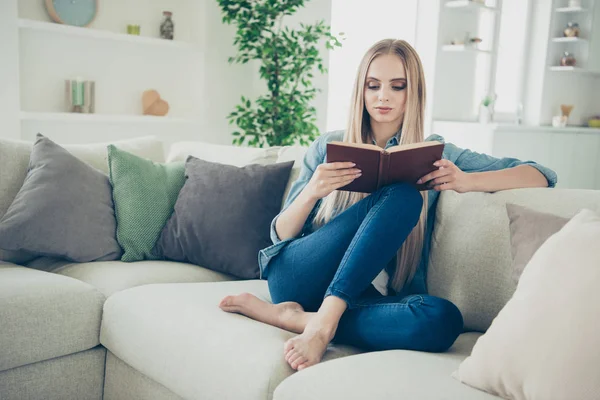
{"x": 288, "y": 58}
{"x": 486, "y": 109}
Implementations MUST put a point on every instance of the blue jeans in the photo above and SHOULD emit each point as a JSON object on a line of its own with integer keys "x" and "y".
{"x": 344, "y": 256}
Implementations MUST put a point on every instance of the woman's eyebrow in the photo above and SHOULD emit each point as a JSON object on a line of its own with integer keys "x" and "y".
{"x": 391, "y": 80}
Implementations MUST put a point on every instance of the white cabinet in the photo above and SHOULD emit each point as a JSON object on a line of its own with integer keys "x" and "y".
{"x": 572, "y": 153}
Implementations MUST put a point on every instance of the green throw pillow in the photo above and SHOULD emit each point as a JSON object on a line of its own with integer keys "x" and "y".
{"x": 144, "y": 194}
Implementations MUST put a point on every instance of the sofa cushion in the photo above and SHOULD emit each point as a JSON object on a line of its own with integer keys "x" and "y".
{"x": 295, "y": 154}
{"x": 223, "y": 154}
{"x": 14, "y": 161}
{"x": 529, "y": 229}
{"x": 394, "y": 374}
{"x": 222, "y": 216}
{"x": 176, "y": 335}
{"x": 113, "y": 276}
{"x": 544, "y": 344}
{"x": 45, "y": 315}
{"x": 64, "y": 209}
{"x": 144, "y": 193}
{"x": 470, "y": 262}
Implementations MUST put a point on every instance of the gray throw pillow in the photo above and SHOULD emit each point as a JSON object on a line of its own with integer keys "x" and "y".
{"x": 64, "y": 209}
{"x": 529, "y": 229}
{"x": 223, "y": 214}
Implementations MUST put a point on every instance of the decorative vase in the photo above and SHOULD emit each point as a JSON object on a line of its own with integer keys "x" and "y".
{"x": 568, "y": 60}
{"x": 572, "y": 30}
{"x": 167, "y": 26}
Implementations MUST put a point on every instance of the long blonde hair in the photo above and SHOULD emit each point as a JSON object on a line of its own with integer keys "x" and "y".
{"x": 359, "y": 131}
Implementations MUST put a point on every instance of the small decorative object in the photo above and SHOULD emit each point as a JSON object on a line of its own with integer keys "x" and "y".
{"x": 133, "y": 29}
{"x": 575, "y": 3}
{"x": 572, "y": 30}
{"x": 567, "y": 60}
{"x": 80, "y": 95}
{"x": 594, "y": 122}
{"x": 486, "y": 109}
{"x": 72, "y": 12}
{"x": 167, "y": 26}
{"x": 475, "y": 41}
{"x": 560, "y": 121}
{"x": 152, "y": 104}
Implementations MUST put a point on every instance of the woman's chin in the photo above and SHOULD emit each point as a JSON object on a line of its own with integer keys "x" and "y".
{"x": 385, "y": 119}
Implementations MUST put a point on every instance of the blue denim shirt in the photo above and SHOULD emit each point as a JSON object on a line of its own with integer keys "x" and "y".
{"x": 466, "y": 160}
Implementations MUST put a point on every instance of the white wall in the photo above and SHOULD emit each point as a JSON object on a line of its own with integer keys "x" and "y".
{"x": 9, "y": 71}
{"x": 364, "y": 24}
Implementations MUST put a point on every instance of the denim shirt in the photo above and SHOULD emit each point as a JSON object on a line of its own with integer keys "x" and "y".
{"x": 466, "y": 160}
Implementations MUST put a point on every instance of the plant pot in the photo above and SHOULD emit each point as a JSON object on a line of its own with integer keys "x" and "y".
{"x": 485, "y": 115}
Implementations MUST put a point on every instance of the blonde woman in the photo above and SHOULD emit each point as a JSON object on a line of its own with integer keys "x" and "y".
{"x": 351, "y": 267}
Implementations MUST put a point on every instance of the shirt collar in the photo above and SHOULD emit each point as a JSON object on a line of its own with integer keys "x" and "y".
{"x": 393, "y": 141}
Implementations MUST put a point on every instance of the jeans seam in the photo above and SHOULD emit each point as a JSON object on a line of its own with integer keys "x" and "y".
{"x": 403, "y": 305}
{"x": 358, "y": 233}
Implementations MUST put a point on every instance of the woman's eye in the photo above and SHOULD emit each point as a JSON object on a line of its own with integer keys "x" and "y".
{"x": 373, "y": 87}
{"x": 399, "y": 87}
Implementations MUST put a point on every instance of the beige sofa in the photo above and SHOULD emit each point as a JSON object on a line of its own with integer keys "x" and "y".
{"x": 153, "y": 330}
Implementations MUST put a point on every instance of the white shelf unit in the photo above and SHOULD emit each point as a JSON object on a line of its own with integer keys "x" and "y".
{"x": 569, "y": 40}
{"x": 468, "y": 5}
{"x": 463, "y": 48}
{"x": 123, "y": 66}
{"x": 571, "y": 10}
{"x": 51, "y": 27}
{"x": 464, "y": 72}
{"x": 100, "y": 118}
{"x": 580, "y": 46}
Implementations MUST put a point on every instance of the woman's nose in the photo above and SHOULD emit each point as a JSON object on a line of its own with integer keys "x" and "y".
{"x": 383, "y": 97}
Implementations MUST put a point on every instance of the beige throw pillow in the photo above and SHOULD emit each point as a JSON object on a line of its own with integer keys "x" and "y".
{"x": 545, "y": 343}
{"x": 529, "y": 229}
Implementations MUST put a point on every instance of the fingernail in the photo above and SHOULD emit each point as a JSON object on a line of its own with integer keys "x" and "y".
{"x": 419, "y": 182}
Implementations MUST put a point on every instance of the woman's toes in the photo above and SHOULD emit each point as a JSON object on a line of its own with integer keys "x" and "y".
{"x": 299, "y": 361}
{"x": 287, "y": 346}
{"x": 226, "y": 302}
{"x": 290, "y": 354}
{"x": 295, "y": 356}
{"x": 303, "y": 365}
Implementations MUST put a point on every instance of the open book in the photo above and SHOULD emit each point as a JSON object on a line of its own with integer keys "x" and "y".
{"x": 402, "y": 163}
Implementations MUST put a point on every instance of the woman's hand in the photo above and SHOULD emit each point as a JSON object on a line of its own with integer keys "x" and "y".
{"x": 329, "y": 177}
{"x": 447, "y": 177}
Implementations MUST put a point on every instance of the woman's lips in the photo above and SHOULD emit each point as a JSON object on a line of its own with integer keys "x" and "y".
{"x": 383, "y": 110}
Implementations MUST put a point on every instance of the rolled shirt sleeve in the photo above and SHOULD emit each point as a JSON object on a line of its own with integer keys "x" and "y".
{"x": 471, "y": 161}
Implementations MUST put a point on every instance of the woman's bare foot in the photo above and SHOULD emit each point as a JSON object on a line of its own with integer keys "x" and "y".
{"x": 308, "y": 348}
{"x": 289, "y": 315}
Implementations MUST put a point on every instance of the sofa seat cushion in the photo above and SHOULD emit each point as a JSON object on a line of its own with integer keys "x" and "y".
{"x": 394, "y": 374}
{"x": 176, "y": 335}
{"x": 45, "y": 315}
{"x": 113, "y": 276}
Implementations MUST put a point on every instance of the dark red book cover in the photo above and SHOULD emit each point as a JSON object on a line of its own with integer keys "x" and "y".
{"x": 403, "y": 163}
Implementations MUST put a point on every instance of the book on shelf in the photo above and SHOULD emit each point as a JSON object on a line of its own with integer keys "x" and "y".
{"x": 402, "y": 163}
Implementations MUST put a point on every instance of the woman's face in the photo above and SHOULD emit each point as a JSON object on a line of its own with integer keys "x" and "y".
{"x": 385, "y": 90}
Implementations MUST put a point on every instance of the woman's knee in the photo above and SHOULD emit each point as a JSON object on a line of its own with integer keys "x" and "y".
{"x": 411, "y": 199}
{"x": 445, "y": 323}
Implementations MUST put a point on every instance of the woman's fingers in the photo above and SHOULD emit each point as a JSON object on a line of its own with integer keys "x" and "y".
{"x": 338, "y": 165}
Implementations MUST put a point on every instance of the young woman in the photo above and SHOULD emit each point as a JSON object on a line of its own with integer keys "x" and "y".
{"x": 351, "y": 267}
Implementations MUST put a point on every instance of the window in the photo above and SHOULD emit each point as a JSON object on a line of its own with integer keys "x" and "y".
{"x": 508, "y": 83}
